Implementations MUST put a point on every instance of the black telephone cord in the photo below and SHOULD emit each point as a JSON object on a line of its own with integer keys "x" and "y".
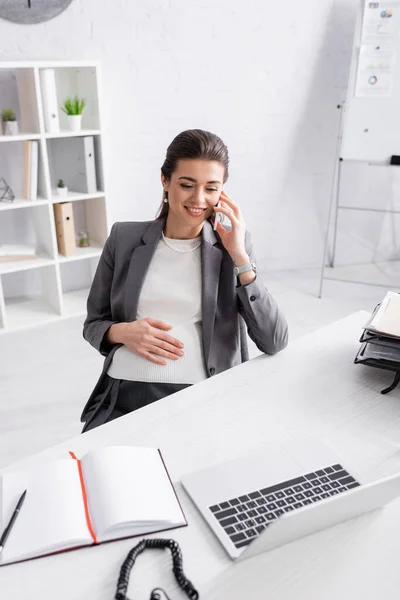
{"x": 177, "y": 568}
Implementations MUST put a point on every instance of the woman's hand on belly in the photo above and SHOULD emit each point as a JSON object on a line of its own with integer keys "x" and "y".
{"x": 147, "y": 338}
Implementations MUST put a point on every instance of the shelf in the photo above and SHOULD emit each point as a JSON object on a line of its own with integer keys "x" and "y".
{"x": 22, "y": 203}
{"x": 93, "y": 251}
{"x": 25, "y": 265}
{"x": 50, "y": 286}
{"x": 24, "y": 313}
{"x": 20, "y": 137}
{"x": 75, "y": 302}
{"x": 74, "y": 196}
{"x": 64, "y": 134}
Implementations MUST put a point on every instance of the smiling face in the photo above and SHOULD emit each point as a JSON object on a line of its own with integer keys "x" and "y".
{"x": 193, "y": 191}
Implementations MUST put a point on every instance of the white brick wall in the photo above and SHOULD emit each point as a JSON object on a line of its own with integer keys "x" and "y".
{"x": 266, "y": 76}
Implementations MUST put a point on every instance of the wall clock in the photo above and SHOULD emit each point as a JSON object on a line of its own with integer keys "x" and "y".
{"x": 29, "y": 12}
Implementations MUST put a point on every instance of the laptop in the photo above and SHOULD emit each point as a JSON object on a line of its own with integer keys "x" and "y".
{"x": 257, "y": 503}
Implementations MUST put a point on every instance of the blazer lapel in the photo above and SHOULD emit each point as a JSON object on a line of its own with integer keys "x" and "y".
{"x": 139, "y": 265}
{"x": 211, "y": 258}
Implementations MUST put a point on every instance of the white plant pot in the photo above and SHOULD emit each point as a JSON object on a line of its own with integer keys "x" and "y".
{"x": 10, "y": 128}
{"x": 62, "y": 192}
{"x": 75, "y": 122}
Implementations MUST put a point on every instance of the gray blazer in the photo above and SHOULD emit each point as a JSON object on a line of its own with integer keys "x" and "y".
{"x": 226, "y": 306}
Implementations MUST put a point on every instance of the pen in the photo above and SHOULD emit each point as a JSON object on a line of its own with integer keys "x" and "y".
{"x": 7, "y": 530}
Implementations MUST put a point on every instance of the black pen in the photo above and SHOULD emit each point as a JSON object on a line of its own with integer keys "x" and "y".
{"x": 7, "y": 530}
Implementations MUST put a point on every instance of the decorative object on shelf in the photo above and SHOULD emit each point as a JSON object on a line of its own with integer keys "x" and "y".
{"x": 73, "y": 107}
{"x": 6, "y": 193}
{"x": 83, "y": 239}
{"x": 62, "y": 189}
{"x": 9, "y": 123}
{"x": 31, "y": 12}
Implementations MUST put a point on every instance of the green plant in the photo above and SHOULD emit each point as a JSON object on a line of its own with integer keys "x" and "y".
{"x": 8, "y": 115}
{"x": 73, "y": 106}
{"x": 60, "y": 184}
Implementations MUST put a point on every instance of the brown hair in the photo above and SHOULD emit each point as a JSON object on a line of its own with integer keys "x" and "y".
{"x": 193, "y": 143}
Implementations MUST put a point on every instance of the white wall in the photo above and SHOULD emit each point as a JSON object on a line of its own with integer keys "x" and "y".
{"x": 266, "y": 76}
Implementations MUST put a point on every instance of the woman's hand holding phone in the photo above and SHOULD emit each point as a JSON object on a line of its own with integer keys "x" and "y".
{"x": 234, "y": 239}
{"x": 218, "y": 218}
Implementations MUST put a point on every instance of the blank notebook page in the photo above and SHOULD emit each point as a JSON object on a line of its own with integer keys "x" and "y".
{"x": 52, "y": 515}
{"x": 129, "y": 485}
{"x": 390, "y": 320}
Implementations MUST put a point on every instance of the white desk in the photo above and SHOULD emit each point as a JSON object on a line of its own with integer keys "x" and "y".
{"x": 311, "y": 388}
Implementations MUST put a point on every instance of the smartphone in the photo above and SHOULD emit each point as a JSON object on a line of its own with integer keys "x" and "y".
{"x": 219, "y": 217}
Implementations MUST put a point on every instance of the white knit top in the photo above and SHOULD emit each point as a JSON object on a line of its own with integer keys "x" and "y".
{"x": 171, "y": 292}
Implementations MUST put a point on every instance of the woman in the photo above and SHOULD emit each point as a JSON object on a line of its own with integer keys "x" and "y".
{"x": 170, "y": 297}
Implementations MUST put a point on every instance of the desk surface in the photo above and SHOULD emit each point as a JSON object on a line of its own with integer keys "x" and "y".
{"x": 312, "y": 388}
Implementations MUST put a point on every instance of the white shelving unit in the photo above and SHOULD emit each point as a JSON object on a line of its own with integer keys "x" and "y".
{"x": 50, "y": 286}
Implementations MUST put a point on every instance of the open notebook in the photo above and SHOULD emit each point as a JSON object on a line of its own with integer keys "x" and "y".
{"x": 386, "y": 319}
{"x": 111, "y": 493}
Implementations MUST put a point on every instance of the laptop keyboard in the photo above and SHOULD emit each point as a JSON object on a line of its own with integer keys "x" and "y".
{"x": 245, "y": 517}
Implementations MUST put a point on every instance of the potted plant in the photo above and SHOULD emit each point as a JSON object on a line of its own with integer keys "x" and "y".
{"x": 9, "y": 123}
{"x": 62, "y": 189}
{"x": 83, "y": 239}
{"x": 73, "y": 108}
